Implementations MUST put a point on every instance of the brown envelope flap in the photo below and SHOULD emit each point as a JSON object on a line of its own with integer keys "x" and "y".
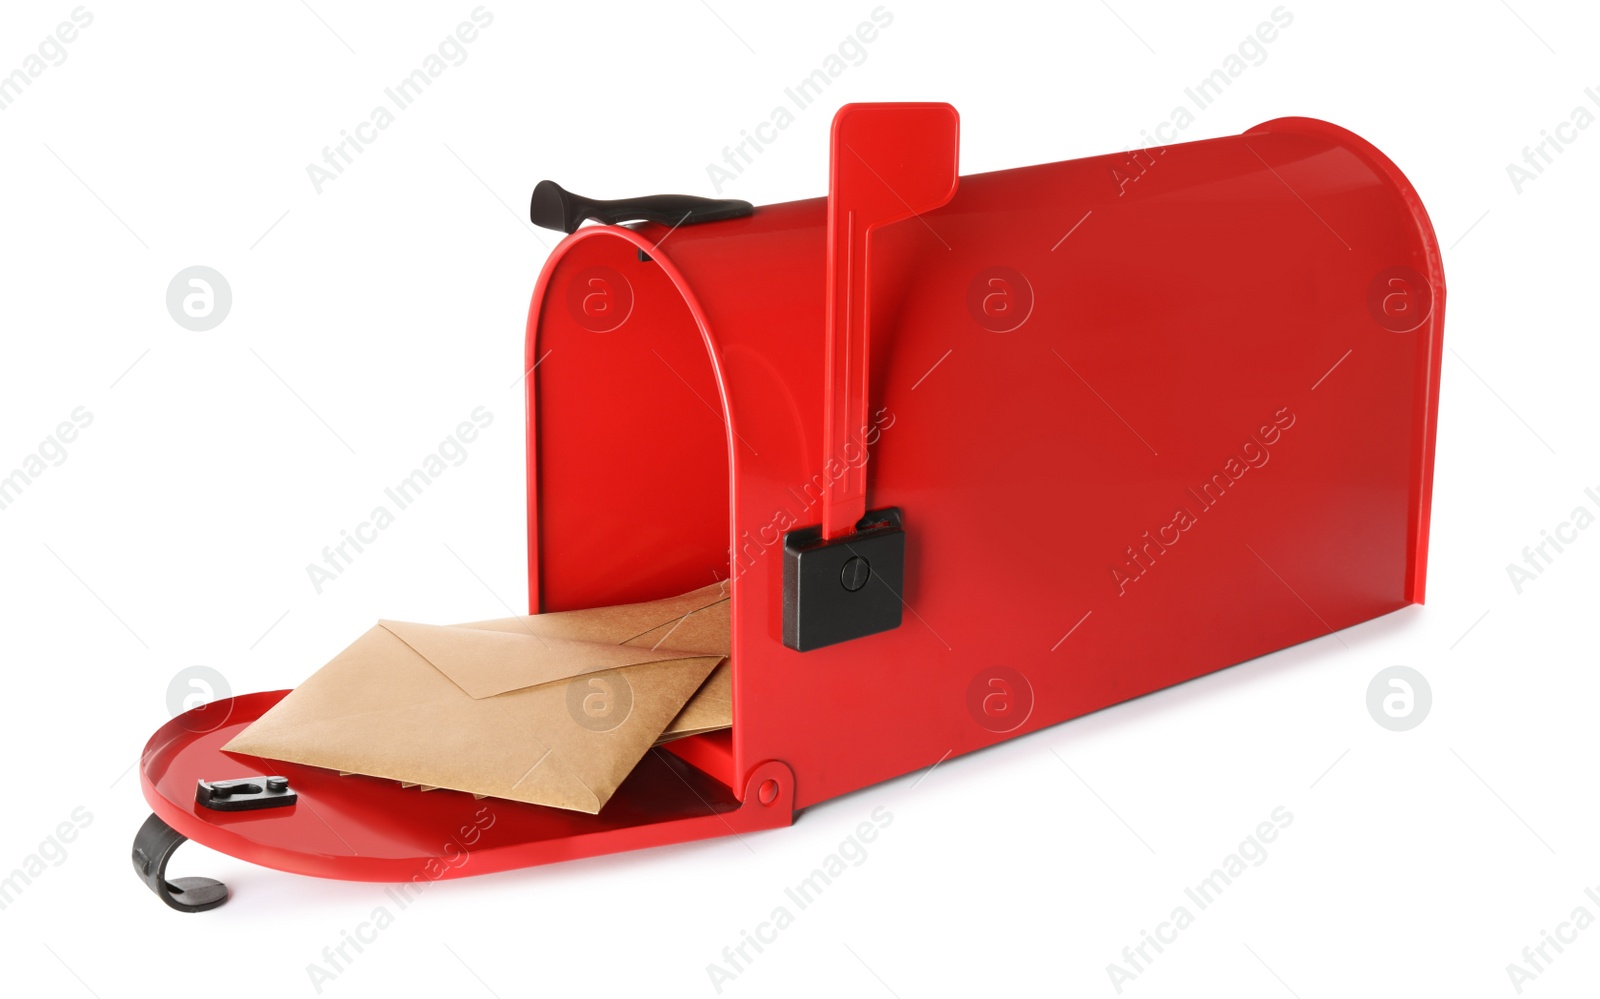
{"x": 706, "y": 630}
{"x": 487, "y": 663}
{"x": 437, "y": 745}
{"x": 380, "y": 708}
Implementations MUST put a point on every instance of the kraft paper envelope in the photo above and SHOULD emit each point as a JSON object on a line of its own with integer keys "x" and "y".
{"x": 551, "y": 709}
{"x": 709, "y": 710}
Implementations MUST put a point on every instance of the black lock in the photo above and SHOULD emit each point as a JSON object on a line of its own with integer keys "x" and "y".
{"x": 846, "y": 588}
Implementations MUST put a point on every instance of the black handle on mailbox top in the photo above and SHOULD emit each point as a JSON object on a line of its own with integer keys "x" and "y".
{"x": 556, "y": 208}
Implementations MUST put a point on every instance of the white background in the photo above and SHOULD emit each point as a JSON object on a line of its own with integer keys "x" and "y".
{"x": 369, "y": 319}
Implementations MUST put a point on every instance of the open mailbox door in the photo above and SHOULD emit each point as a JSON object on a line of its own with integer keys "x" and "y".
{"x": 976, "y": 460}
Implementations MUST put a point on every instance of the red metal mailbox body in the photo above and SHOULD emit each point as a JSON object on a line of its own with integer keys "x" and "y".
{"x": 1139, "y": 430}
{"x": 1143, "y": 416}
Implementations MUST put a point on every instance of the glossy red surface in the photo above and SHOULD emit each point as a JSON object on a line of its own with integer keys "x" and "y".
{"x": 1146, "y": 415}
{"x": 887, "y": 162}
{"x": 1062, "y": 359}
{"x": 365, "y": 829}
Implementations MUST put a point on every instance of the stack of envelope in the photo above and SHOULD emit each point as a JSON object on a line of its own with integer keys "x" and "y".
{"x": 551, "y": 709}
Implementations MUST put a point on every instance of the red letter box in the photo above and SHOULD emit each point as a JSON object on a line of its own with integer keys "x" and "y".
{"x": 979, "y": 457}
